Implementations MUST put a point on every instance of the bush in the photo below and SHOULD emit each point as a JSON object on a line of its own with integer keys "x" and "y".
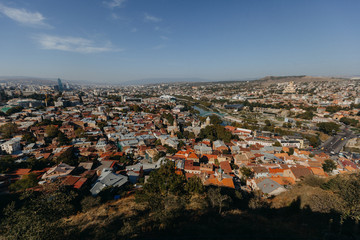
{"x": 314, "y": 181}
{"x": 89, "y": 202}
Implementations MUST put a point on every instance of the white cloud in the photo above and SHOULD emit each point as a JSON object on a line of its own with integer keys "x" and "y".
{"x": 149, "y": 18}
{"x": 114, "y": 3}
{"x": 72, "y": 44}
{"x": 159, "y": 46}
{"x": 114, "y": 16}
{"x": 161, "y": 29}
{"x": 34, "y": 19}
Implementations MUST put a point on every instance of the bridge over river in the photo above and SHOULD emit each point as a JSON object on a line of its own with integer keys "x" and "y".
{"x": 204, "y": 113}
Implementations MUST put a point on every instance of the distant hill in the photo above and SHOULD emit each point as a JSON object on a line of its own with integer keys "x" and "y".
{"x": 147, "y": 81}
{"x": 268, "y": 80}
{"x": 28, "y": 80}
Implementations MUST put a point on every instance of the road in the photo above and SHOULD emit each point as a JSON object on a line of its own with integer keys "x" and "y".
{"x": 337, "y": 142}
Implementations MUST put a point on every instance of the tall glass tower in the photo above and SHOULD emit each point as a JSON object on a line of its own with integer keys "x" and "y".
{"x": 61, "y": 88}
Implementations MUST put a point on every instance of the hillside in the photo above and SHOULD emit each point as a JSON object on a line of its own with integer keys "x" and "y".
{"x": 167, "y": 207}
{"x": 310, "y": 210}
{"x": 268, "y": 80}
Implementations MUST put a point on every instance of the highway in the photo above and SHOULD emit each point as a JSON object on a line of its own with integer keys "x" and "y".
{"x": 337, "y": 142}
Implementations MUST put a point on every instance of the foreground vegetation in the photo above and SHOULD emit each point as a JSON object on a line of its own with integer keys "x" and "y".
{"x": 169, "y": 207}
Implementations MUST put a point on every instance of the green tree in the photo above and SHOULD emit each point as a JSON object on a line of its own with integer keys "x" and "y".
{"x": 39, "y": 215}
{"x": 7, "y": 163}
{"x": 328, "y": 127}
{"x": 217, "y": 199}
{"x": 214, "y": 119}
{"x": 194, "y": 185}
{"x": 277, "y": 144}
{"x": 80, "y": 133}
{"x": 25, "y": 182}
{"x": 291, "y": 151}
{"x": 14, "y": 110}
{"x": 161, "y": 183}
{"x": 349, "y": 121}
{"x": 63, "y": 140}
{"x": 267, "y": 123}
{"x": 246, "y": 172}
{"x": 51, "y": 131}
{"x": 349, "y": 191}
{"x": 215, "y": 132}
{"x": 333, "y": 109}
{"x": 8, "y": 130}
{"x": 308, "y": 115}
{"x": 329, "y": 165}
{"x": 28, "y": 137}
{"x": 101, "y": 124}
{"x": 69, "y": 157}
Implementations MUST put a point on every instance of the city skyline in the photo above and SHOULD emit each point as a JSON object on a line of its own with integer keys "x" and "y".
{"x": 116, "y": 41}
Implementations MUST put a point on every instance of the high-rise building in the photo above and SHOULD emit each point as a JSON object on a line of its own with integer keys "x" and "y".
{"x": 60, "y": 85}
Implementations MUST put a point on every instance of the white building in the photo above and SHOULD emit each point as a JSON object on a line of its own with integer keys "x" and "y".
{"x": 11, "y": 146}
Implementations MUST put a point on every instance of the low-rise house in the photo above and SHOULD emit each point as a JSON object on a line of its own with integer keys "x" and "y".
{"x": 202, "y": 149}
{"x": 270, "y": 187}
{"x": 260, "y": 172}
{"x": 300, "y": 172}
{"x": 135, "y": 172}
{"x": 221, "y": 180}
{"x": 219, "y": 145}
{"x": 189, "y": 167}
{"x": 60, "y": 170}
{"x": 108, "y": 179}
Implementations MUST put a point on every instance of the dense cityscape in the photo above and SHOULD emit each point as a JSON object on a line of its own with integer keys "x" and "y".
{"x": 259, "y": 140}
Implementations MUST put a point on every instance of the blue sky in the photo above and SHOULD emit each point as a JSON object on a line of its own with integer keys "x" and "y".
{"x": 121, "y": 40}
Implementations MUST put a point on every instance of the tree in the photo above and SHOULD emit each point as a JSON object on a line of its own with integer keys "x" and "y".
{"x": 349, "y": 121}
{"x": 217, "y": 199}
{"x": 349, "y": 191}
{"x": 39, "y": 215}
{"x": 69, "y": 157}
{"x": 8, "y": 130}
{"x": 267, "y": 123}
{"x": 215, "y": 132}
{"x": 170, "y": 150}
{"x": 51, "y": 131}
{"x": 328, "y": 127}
{"x": 214, "y": 119}
{"x": 329, "y": 165}
{"x": 246, "y": 172}
{"x": 169, "y": 117}
{"x": 101, "y": 124}
{"x": 194, "y": 185}
{"x": 14, "y": 110}
{"x": 291, "y": 151}
{"x": 63, "y": 140}
{"x": 28, "y": 137}
{"x": 333, "y": 109}
{"x": 79, "y": 133}
{"x": 161, "y": 183}
{"x": 7, "y": 163}
{"x": 277, "y": 144}
{"x": 25, "y": 182}
{"x": 308, "y": 115}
